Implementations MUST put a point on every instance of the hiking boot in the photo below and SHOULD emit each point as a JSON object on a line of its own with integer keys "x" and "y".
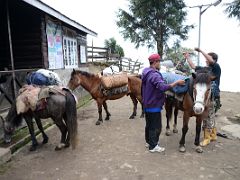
{"x": 213, "y": 134}
{"x": 157, "y": 148}
{"x": 207, "y": 138}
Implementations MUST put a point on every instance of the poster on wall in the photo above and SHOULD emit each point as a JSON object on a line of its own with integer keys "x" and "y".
{"x": 54, "y": 38}
{"x": 83, "y": 54}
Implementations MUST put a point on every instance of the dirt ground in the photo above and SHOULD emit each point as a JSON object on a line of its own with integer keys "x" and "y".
{"x": 116, "y": 150}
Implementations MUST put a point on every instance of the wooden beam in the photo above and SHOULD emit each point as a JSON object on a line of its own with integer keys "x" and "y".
{"x": 11, "y": 50}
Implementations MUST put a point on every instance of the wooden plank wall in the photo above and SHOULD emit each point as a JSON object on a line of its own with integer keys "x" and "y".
{"x": 4, "y": 46}
{"x": 26, "y": 35}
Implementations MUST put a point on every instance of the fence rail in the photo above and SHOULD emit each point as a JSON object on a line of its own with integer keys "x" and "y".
{"x": 96, "y": 53}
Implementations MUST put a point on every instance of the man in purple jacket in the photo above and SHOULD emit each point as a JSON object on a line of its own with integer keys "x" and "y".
{"x": 153, "y": 88}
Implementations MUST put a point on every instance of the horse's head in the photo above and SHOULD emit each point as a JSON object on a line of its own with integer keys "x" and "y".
{"x": 82, "y": 78}
{"x": 74, "y": 81}
{"x": 201, "y": 90}
{"x": 11, "y": 121}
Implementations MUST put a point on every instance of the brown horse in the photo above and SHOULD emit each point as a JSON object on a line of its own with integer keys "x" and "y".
{"x": 92, "y": 83}
{"x": 194, "y": 104}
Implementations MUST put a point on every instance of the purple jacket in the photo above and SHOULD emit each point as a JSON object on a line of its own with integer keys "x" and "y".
{"x": 153, "y": 88}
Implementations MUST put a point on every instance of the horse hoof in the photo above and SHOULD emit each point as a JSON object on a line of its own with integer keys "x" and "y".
{"x": 199, "y": 149}
{"x": 67, "y": 145}
{"x": 33, "y": 148}
{"x": 182, "y": 149}
{"x": 98, "y": 122}
{"x": 131, "y": 117}
{"x": 168, "y": 133}
{"x": 59, "y": 147}
{"x": 107, "y": 119}
{"x": 45, "y": 141}
{"x": 175, "y": 130}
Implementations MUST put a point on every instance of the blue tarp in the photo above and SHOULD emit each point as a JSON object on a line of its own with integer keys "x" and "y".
{"x": 39, "y": 79}
{"x": 171, "y": 77}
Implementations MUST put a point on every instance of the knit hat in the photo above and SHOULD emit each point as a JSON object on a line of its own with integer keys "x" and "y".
{"x": 154, "y": 57}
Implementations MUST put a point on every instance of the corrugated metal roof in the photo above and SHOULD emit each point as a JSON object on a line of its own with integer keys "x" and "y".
{"x": 51, "y": 11}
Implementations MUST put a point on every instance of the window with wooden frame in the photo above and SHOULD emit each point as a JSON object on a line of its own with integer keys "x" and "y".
{"x": 70, "y": 53}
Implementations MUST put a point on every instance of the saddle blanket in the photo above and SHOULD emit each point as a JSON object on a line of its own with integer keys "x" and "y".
{"x": 171, "y": 77}
{"x": 114, "y": 81}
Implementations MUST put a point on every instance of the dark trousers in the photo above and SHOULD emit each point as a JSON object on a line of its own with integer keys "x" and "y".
{"x": 153, "y": 128}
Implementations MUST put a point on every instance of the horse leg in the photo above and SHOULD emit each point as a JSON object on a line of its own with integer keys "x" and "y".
{"x": 99, "y": 121}
{"x": 106, "y": 110}
{"x": 134, "y": 100}
{"x": 184, "y": 132}
{"x": 39, "y": 124}
{"x": 142, "y": 114}
{"x": 63, "y": 128}
{"x": 168, "y": 108}
{"x": 175, "y": 130}
{"x": 32, "y": 133}
{"x": 197, "y": 137}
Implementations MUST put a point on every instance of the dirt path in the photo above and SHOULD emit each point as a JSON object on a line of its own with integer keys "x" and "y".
{"x": 115, "y": 150}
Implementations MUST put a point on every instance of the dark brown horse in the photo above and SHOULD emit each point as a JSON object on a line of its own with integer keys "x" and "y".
{"x": 194, "y": 104}
{"x": 62, "y": 110}
{"x": 92, "y": 83}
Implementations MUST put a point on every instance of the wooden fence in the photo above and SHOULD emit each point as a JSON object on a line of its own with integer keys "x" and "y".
{"x": 97, "y": 54}
{"x": 9, "y": 86}
{"x": 128, "y": 65}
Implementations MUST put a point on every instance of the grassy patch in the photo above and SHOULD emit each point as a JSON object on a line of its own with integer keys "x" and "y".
{"x": 84, "y": 101}
{"x": 22, "y": 137}
{"x": 4, "y": 168}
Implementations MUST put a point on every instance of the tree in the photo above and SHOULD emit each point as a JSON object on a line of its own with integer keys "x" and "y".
{"x": 153, "y": 22}
{"x": 114, "y": 47}
{"x": 233, "y": 9}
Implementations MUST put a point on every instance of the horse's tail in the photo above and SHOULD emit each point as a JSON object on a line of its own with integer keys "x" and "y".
{"x": 71, "y": 115}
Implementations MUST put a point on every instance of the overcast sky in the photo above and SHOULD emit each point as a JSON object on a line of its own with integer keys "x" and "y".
{"x": 218, "y": 33}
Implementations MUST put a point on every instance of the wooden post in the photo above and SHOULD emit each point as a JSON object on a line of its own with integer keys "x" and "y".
{"x": 11, "y": 51}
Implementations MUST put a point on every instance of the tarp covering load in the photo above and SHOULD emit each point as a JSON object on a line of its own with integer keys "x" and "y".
{"x": 43, "y": 77}
{"x": 171, "y": 77}
{"x": 114, "y": 81}
{"x": 34, "y": 97}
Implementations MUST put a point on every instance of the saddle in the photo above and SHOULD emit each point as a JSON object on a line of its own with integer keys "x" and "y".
{"x": 45, "y": 93}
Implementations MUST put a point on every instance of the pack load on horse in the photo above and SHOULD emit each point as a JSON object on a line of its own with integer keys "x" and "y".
{"x": 41, "y": 103}
{"x": 114, "y": 81}
{"x": 93, "y": 84}
{"x": 195, "y": 102}
{"x": 43, "y": 77}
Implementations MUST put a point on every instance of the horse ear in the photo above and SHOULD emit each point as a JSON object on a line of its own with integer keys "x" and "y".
{"x": 74, "y": 70}
{"x": 194, "y": 75}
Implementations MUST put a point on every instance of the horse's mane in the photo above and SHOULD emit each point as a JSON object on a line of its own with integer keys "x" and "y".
{"x": 16, "y": 119}
{"x": 202, "y": 77}
{"x": 84, "y": 73}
